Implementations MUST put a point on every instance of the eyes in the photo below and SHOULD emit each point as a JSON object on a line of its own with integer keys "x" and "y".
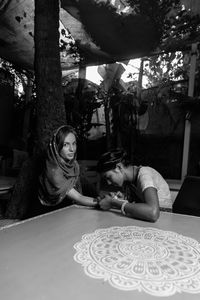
{"x": 109, "y": 178}
{"x": 68, "y": 145}
{"x": 112, "y": 177}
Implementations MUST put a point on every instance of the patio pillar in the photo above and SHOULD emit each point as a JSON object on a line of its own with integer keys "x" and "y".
{"x": 187, "y": 132}
{"x": 139, "y": 88}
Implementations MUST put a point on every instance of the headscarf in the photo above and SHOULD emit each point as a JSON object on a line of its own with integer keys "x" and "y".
{"x": 59, "y": 175}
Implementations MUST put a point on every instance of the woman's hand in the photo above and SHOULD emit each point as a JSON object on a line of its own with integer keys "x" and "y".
{"x": 117, "y": 196}
{"x": 82, "y": 200}
{"x": 106, "y": 202}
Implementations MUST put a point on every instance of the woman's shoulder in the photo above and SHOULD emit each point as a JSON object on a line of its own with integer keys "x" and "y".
{"x": 145, "y": 170}
{"x": 149, "y": 172}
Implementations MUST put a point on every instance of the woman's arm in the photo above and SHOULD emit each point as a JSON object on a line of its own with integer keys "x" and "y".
{"x": 82, "y": 200}
{"x": 148, "y": 211}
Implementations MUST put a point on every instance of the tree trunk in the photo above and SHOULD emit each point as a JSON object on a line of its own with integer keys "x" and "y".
{"x": 50, "y": 107}
{"x": 50, "y": 104}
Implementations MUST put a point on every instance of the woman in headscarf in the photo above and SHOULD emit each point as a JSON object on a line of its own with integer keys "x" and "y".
{"x": 143, "y": 188}
{"x": 60, "y": 180}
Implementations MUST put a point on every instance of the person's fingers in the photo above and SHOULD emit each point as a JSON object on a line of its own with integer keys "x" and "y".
{"x": 120, "y": 195}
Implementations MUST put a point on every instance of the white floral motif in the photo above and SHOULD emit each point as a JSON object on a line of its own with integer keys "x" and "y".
{"x": 158, "y": 262}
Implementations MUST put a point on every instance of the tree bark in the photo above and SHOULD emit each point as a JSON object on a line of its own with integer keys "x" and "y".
{"x": 50, "y": 104}
{"x": 50, "y": 107}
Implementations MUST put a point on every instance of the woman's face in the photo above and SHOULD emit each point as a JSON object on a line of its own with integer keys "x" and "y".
{"x": 68, "y": 150}
{"x": 114, "y": 177}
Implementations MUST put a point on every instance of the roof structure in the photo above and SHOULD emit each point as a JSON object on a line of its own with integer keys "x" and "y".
{"x": 104, "y": 31}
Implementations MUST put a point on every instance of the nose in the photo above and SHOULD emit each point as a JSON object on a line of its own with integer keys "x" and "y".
{"x": 71, "y": 148}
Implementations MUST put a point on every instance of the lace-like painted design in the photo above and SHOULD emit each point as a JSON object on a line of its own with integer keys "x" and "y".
{"x": 158, "y": 262}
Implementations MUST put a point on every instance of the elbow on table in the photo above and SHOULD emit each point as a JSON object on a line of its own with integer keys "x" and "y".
{"x": 154, "y": 215}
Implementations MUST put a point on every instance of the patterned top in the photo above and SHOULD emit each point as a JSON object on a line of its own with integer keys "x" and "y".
{"x": 149, "y": 177}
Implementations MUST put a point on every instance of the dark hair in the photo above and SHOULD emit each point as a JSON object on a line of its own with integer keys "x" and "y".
{"x": 109, "y": 160}
{"x": 61, "y": 133}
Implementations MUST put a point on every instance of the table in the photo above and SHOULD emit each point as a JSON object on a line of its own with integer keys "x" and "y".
{"x": 37, "y": 255}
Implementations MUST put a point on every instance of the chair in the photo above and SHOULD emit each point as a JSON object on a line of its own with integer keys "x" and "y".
{"x": 188, "y": 198}
{"x": 6, "y": 188}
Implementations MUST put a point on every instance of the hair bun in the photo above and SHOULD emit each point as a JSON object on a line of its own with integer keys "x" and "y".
{"x": 109, "y": 160}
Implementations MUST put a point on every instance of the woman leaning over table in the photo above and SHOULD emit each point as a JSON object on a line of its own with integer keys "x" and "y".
{"x": 60, "y": 180}
{"x": 142, "y": 187}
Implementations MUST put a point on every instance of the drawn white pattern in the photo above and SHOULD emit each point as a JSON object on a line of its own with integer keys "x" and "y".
{"x": 158, "y": 262}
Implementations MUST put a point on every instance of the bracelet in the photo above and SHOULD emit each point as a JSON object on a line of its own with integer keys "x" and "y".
{"x": 115, "y": 197}
{"x": 123, "y": 207}
{"x": 96, "y": 201}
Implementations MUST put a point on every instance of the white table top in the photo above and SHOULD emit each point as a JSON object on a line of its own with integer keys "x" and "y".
{"x": 36, "y": 256}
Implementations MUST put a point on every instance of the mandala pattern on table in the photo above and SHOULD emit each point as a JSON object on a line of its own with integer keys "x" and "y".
{"x": 159, "y": 262}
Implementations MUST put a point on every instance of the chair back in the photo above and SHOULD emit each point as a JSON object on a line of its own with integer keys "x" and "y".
{"x": 188, "y": 198}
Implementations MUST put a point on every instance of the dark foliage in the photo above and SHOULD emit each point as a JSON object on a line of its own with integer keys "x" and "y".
{"x": 119, "y": 33}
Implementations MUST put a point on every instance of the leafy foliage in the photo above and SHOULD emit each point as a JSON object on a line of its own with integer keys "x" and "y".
{"x": 164, "y": 68}
{"x": 123, "y": 108}
{"x": 68, "y": 47}
{"x": 20, "y": 75}
{"x": 79, "y": 110}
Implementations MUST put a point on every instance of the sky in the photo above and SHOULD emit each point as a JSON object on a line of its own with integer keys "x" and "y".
{"x": 132, "y": 67}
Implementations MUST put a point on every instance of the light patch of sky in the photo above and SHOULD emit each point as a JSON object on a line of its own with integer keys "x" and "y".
{"x": 93, "y": 75}
{"x": 131, "y": 68}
